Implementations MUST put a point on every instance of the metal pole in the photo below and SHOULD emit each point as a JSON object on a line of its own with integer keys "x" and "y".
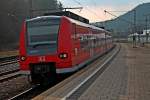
{"x": 146, "y": 29}
{"x": 30, "y": 3}
{"x": 134, "y": 27}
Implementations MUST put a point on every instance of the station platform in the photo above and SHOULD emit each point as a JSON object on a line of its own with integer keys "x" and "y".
{"x": 127, "y": 77}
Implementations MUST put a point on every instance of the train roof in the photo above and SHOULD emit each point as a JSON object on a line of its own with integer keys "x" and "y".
{"x": 41, "y": 17}
{"x": 71, "y": 20}
{"x": 85, "y": 25}
{"x": 68, "y": 14}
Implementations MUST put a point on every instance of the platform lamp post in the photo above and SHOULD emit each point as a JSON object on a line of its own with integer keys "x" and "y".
{"x": 31, "y": 8}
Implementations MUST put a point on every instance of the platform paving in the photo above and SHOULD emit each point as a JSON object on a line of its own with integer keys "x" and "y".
{"x": 126, "y": 78}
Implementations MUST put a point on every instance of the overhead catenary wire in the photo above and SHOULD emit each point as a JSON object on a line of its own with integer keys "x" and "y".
{"x": 120, "y": 18}
{"x": 88, "y": 9}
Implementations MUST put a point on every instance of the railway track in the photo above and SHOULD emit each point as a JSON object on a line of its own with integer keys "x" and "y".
{"x": 31, "y": 92}
{"x": 8, "y": 59}
{"x": 7, "y": 70}
{"x": 9, "y": 62}
{"x": 9, "y": 76}
{"x": 25, "y": 93}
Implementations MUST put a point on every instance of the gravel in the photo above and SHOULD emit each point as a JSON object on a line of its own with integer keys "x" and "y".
{"x": 13, "y": 87}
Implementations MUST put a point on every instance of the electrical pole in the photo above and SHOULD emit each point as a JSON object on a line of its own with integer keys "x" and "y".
{"x": 31, "y": 8}
{"x": 134, "y": 21}
{"x": 134, "y": 36}
{"x": 146, "y": 21}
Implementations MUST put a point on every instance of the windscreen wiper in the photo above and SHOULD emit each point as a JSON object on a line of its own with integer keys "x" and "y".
{"x": 41, "y": 44}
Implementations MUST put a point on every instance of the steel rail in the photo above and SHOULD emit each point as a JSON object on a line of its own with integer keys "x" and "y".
{"x": 9, "y": 62}
{"x": 28, "y": 91}
{"x": 9, "y": 72}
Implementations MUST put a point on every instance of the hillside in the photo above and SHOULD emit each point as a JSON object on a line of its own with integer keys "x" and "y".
{"x": 123, "y": 25}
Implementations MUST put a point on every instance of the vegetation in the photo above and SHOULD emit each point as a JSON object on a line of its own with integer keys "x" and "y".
{"x": 12, "y": 14}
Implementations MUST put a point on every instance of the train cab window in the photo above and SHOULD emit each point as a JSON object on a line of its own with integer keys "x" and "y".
{"x": 43, "y": 33}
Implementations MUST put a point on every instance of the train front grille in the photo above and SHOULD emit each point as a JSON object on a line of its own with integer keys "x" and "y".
{"x": 40, "y": 68}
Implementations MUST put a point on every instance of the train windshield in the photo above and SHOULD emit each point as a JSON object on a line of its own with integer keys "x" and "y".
{"x": 42, "y": 35}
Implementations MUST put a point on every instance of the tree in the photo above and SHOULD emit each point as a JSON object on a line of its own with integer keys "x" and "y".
{"x": 13, "y": 12}
{"x": 60, "y": 6}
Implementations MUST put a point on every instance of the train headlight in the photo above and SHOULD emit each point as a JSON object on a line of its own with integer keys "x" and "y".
{"x": 63, "y": 55}
{"x": 22, "y": 58}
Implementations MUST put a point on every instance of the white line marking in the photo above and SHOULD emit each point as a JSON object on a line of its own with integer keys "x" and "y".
{"x": 77, "y": 87}
{"x": 20, "y": 94}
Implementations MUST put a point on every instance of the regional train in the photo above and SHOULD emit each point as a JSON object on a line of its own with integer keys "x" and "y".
{"x": 55, "y": 45}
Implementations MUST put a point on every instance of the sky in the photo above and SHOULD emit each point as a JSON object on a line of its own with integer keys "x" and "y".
{"x": 94, "y": 9}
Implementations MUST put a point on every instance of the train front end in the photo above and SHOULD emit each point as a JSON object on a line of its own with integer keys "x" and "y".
{"x": 40, "y": 52}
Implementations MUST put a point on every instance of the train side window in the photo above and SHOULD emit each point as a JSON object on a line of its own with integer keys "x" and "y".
{"x": 74, "y": 31}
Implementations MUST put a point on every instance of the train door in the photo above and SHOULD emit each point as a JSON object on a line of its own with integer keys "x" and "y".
{"x": 75, "y": 45}
{"x": 91, "y": 43}
{"x": 105, "y": 44}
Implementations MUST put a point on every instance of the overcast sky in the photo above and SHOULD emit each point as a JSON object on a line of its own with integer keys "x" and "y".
{"x": 94, "y": 9}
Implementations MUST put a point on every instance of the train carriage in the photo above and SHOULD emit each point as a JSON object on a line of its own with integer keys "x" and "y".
{"x": 53, "y": 45}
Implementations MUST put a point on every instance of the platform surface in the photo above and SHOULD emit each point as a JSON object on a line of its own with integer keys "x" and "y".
{"x": 126, "y": 78}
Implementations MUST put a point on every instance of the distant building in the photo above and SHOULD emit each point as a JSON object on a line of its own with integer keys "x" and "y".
{"x": 146, "y": 31}
{"x": 140, "y": 37}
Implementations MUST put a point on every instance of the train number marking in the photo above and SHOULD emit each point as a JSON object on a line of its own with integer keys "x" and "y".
{"x": 42, "y": 58}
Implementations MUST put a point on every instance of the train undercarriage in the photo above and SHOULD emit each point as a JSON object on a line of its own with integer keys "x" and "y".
{"x": 43, "y": 73}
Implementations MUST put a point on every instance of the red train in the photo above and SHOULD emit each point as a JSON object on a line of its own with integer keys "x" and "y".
{"x": 53, "y": 45}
